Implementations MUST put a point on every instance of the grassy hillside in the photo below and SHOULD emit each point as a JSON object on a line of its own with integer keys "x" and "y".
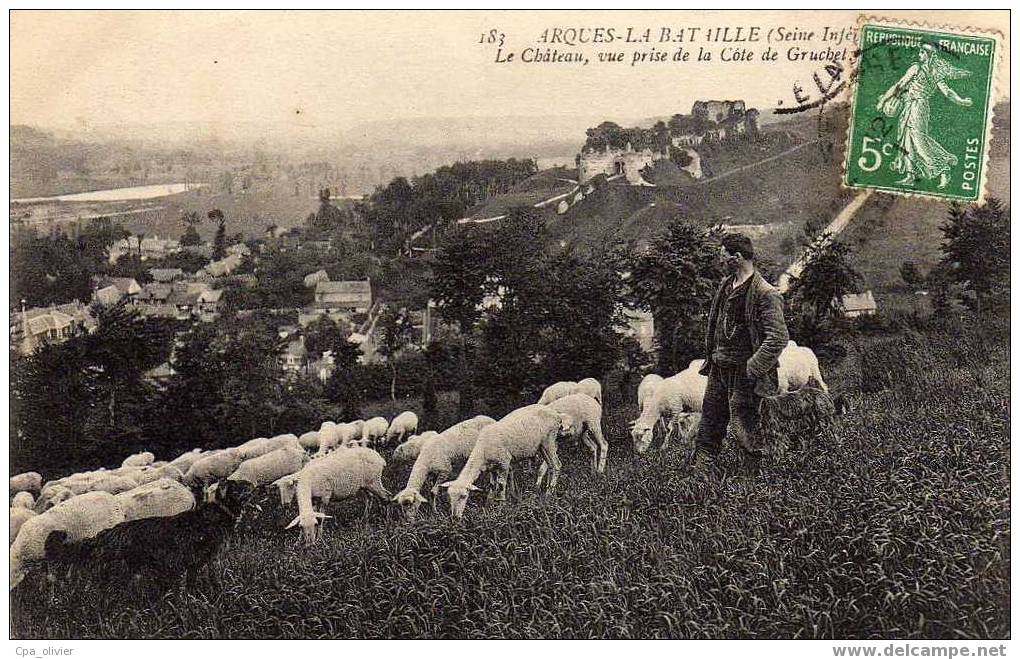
{"x": 894, "y": 524}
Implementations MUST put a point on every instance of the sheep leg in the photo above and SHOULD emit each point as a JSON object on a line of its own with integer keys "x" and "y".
{"x": 603, "y": 446}
{"x": 501, "y": 473}
{"x": 441, "y": 477}
{"x": 549, "y": 449}
{"x": 542, "y": 468}
{"x": 670, "y": 427}
{"x": 592, "y": 446}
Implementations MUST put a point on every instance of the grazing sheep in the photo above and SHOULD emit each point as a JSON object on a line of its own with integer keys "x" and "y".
{"x": 309, "y": 440}
{"x": 358, "y": 426}
{"x": 51, "y": 496}
{"x": 19, "y": 515}
{"x": 81, "y": 517}
{"x": 212, "y": 468}
{"x": 804, "y": 411}
{"x": 262, "y": 445}
{"x": 409, "y": 450}
{"x": 797, "y": 367}
{"x": 166, "y": 547}
{"x": 374, "y": 430}
{"x": 585, "y": 417}
{"x": 557, "y": 390}
{"x": 340, "y": 475}
{"x": 23, "y": 500}
{"x": 30, "y": 481}
{"x": 349, "y": 433}
{"x": 648, "y": 385}
{"x": 143, "y": 459}
{"x": 439, "y": 456}
{"x": 288, "y": 486}
{"x": 674, "y": 403}
{"x": 329, "y": 437}
{"x": 184, "y": 461}
{"x": 267, "y": 468}
{"x": 521, "y": 434}
{"x": 112, "y": 484}
{"x": 403, "y": 425}
{"x": 592, "y": 387}
{"x": 161, "y": 498}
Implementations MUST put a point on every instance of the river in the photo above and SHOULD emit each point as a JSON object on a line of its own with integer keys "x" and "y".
{"x": 117, "y": 194}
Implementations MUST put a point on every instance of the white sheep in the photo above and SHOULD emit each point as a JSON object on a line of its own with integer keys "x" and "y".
{"x": 798, "y": 365}
{"x": 161, "y": 498}
{"x": 647, "y": 388}
{"x": 402, "y": 426}
{"x": 438, "y": 456}
{"x": 185, "y": 460}
{"x": 83, "y": 516}
{"x": 30, "y": 481}
{"x": 262, "y": 445}
{"x": 142, "y": 459}
{"x": 585, "y": 417}
{"x": 409, "y": 450}
{"x": 521, "y": 434}
{"x": 592, "y": 387}
{"x": 267, "y": 468}
{"x": 329, "y": 437}
{"x": 309, "y": 440}
{"x": 373, "y": 431}
{"x": 676, "y": 403}
{"x": 112, "y": 484}
{"x": 340, "y": 475}
{"x": 358, "y": 426}
{"x": 212, "y": 468}
{"x": 557, "y": 390}
{"x": 287, "y": 485}
{"x": 19, "y": 515}
{"x": 23, "y": 500}
{"x": 349, "y": 434}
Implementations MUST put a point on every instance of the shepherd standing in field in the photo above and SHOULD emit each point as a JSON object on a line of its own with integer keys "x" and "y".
{"x": 746, "y": 332}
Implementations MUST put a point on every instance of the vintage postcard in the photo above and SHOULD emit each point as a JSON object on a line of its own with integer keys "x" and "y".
{"x": 496, "y": 324}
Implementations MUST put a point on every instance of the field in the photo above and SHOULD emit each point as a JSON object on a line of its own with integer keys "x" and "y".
{"x": 895, "y": 523}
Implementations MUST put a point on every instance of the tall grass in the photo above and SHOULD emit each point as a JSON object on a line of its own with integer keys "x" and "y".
{"x": 895, "y": 523}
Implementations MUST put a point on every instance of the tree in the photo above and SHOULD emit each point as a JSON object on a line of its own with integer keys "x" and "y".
{"x": 190, "y": 237}
{"x": 827, "y": 276}
{"x": 675, "y": 279}
{"x": 220, "y": 241}
{"x": 976, "y": 249}
{"x": 393, "y": 329}
{"x": 323, "y": 334}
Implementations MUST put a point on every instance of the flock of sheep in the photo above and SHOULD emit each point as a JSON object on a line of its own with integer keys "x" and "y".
{"x": 124, "y": 513}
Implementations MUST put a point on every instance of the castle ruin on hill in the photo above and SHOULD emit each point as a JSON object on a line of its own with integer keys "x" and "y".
{"x": 612, "y": 150}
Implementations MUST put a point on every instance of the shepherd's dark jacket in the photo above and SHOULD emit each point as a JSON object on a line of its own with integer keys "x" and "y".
{"x": 764, "y": 309}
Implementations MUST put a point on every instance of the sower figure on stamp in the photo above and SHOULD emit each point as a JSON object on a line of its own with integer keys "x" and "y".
{"x": 745, "y": 334}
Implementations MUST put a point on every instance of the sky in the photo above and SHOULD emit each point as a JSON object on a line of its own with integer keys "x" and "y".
{"x": 79, "y": 69}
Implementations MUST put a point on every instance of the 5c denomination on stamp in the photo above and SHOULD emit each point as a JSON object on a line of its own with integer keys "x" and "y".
{"x": 922, "y": 110}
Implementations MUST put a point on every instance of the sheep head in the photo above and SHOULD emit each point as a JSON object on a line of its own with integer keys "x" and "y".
{"x": 308, "y": 522}
{"x": 409, "y": 501}
{"x": 568, "y": 428}
{"x": 641, "y": 434}
{"x": 458, "y": 492}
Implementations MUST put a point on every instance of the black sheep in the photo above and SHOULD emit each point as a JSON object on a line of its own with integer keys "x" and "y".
{"x": 166, "y": 547}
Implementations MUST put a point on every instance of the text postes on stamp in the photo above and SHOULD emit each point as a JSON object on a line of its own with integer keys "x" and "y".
{"x": 922, "y": 111}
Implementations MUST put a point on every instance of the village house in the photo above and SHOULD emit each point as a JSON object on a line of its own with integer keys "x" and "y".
{"x": 314, "y": 278}
{"x": 858, "y": 304}
{"x": 344, "y": 296}
{"x": 295, "y": 356}
{"x": 165, "y": 275}
{"x": 54, "y": 324}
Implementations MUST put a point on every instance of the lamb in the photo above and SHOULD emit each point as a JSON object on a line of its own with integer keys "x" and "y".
{"x": 288, "y": 486}
{"x": 438, "y": 455}
{"x": 592, "y": 387}
{"x": 23, "y": 500}
{"x": 212, "y": 468}
{"x": 521, "y": 434}
{"x": 184, "y": 461}
{"x": 267, "y": 468}
{"x": 557, "y": 390}
{"x": 374, "y": 430}
{"x": 309, "y": 440}
{"x": 19, "y": 515}
{"x": 585, "y": 417}
{"x": 166, "y": 547}
{"x": 260, "y": 446}
{"x": 409, "y": 450}
{"x": 329, "y": 437}
{"x": 797, "y": 367}
{"x": 647, "y": 388}
{"x": 404, "y": 424}
{"x": 81, "y": 517}
{"x": 139, "y": 460}
{"x": 676, "y": 403}
{"x": 339, "y": 475}
{"x": 30, "y": 481}
{"x": 162, "y": 498}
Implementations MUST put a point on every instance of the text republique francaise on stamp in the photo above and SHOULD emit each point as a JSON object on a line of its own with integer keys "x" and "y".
{"x": 922, "y": 110}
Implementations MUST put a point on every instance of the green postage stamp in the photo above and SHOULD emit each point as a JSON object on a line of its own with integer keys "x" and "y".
{"x": 922, "y": 110}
